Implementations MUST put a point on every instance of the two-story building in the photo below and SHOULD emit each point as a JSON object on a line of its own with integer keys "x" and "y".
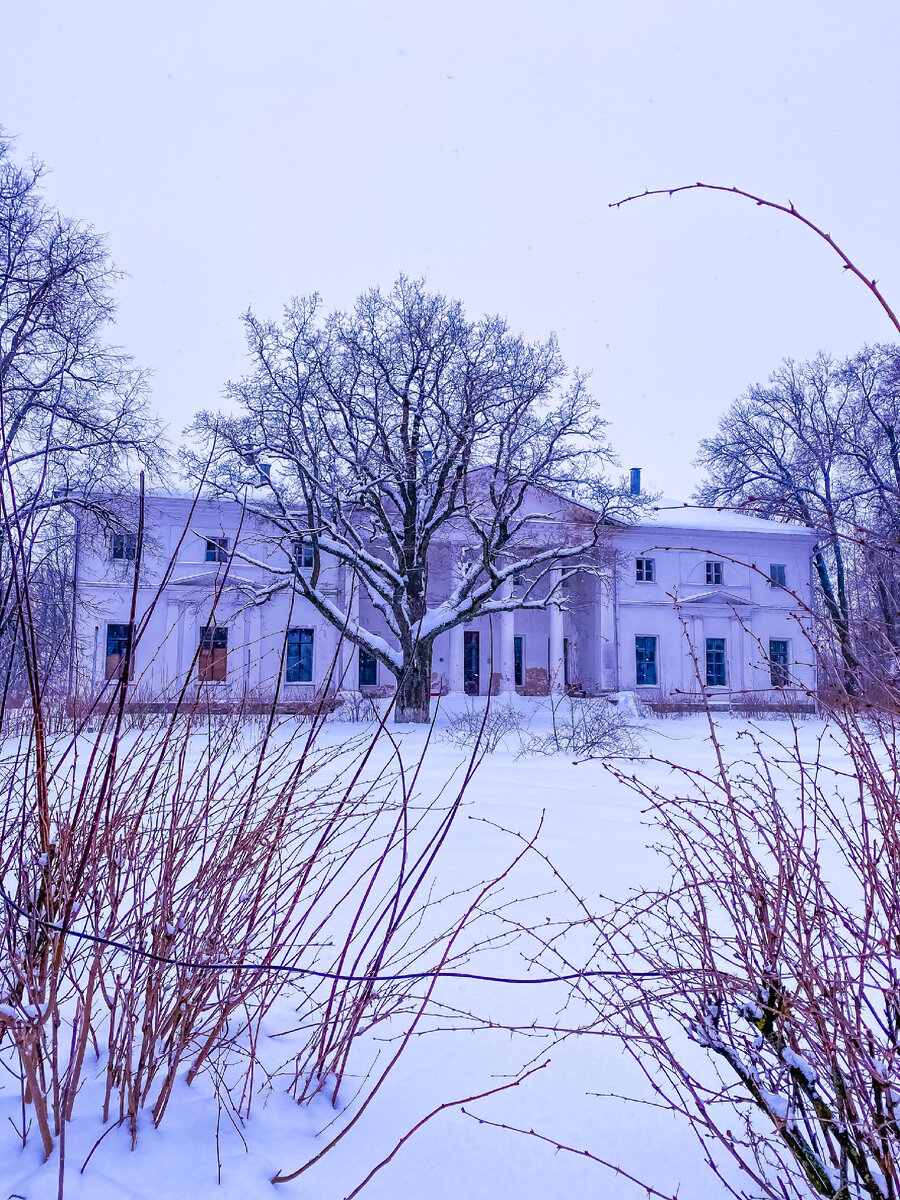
{"x": 686, "y": 600}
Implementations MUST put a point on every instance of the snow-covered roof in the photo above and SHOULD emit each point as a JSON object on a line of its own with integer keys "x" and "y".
{"x": 673, "y": 514}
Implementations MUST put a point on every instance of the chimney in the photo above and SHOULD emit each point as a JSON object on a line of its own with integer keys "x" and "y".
{"x": 635, "y": 481}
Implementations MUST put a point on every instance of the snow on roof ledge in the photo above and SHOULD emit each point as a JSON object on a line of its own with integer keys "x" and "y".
{"x": 673, "y": 514}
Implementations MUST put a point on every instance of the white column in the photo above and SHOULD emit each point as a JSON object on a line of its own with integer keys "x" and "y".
{"x": 606, "y": 635}
{"x": 348, "y": 666}
{"x": 557, "y": 670}
{"x": 507, "y": 657}
{"x": 455, "y": 672}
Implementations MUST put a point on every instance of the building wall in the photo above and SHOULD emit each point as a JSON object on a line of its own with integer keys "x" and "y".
{"x": 604, "y": 611}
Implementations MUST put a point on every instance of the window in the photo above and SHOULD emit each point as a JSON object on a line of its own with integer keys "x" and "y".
{"x": 644, "y": 570}
{"x": 217, "y": 549}
{"x": 304, "y": 552}
{"x": 518, "y": 578}
{"x": 212, "y": 666}
{"x": 118, "y": 643}
{"x": 715, "y": 662}
{"x": 124, "y": 546}
{"x": 779, "y": 662}
{"x": 778, "y": 575}
{"x": 518, "y": 660}
{"x": 368, "y": 668}
{"x": 714, "y": 573}
{"x": 299, "y": 656}
{"x": 567, "y": 682}
{"x": 645, "y": 674}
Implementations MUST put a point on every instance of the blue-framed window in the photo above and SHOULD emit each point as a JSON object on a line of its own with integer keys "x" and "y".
{"x": 645, "y": 662}
{"x": 217, "y": 549}
{"x": 778, "y": 574}
{"x": 644, "y": 570}
{"x": 715, "y": 573}
{"x": 716, "y": 668}
{"x": 299, "y": 656}
{"x": 518, "y": 660}
{"x": 368, "y": 668}
{"x": 779, "y": 662}
{"x": 124, "y": 547}
{"x": 304, "y": 551}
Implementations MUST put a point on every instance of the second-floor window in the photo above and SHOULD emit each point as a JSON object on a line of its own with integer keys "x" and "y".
{"x": 778, "y": 575}
{"x": 714, "y": 573}
{"x": 217, "y": 549}
{"x": 124, "y": 546}
{"x": 304, "y": 551}
{"x": 644, "y": 570}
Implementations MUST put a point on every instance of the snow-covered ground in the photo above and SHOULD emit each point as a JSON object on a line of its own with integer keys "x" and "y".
{"x": 595, "y": 834}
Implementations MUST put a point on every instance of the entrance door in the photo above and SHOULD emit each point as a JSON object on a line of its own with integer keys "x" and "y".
{"x": 471, "y": 657}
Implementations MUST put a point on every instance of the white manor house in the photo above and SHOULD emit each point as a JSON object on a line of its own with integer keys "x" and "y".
{"x": 686, "y": 600}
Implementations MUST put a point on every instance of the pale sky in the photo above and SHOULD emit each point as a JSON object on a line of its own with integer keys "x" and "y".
{"x": 237, "y": 154}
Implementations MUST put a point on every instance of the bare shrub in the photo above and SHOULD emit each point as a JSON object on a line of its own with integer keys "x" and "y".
{"x": 486, "y": 725}
{"x": 773, "y": 947}
{"x": 585, "y": 726}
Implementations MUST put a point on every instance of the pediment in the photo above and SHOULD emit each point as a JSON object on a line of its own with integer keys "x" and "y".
{"x": 211, "y": 579}
{"x": 715, "y": 596}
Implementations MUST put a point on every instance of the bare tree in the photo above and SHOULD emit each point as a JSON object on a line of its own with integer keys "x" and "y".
{"x": 382, "y": 432}
{"x": 781, "y": 451}
{"x": 73, "y": 414}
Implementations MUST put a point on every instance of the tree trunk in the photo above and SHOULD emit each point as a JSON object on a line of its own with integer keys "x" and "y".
{"x": 414, "y": 687}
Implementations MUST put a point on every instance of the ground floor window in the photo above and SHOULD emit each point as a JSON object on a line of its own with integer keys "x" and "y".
{"x": 368, "y": 668}
{"x": 518, "y": 660}
{"x": 716, "y": 675}
{"x": 299, "y": 657}
{"x": 645, "y": 672}
{"x": 118, "y": 644}
{"x": 212, "y": 666}
{"x": 779, "y": 662}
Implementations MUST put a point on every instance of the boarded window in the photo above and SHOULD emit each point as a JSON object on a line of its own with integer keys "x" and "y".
{"x": 716, "y": 674}
{"x": 645, "y": 671}
{"x": 212, "y": 666}
{"x": 298, "y": 667}
{"x": 779, "y": 662}
{"x": 217, "y": 549}
{"x": 714, "y": 573}
{"x": 368, "y": 668}
{"x": 118, "y": 644}
{"x": 124, "y": 546}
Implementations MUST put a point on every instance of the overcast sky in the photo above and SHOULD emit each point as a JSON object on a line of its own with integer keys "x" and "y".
{"x": 240, "y": 153}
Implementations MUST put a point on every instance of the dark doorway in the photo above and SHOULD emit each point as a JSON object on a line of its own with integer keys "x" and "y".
{"x": 471, "y": 658}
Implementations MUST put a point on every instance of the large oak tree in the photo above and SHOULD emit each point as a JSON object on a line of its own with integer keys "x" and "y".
{"x": 401, "y": 424}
